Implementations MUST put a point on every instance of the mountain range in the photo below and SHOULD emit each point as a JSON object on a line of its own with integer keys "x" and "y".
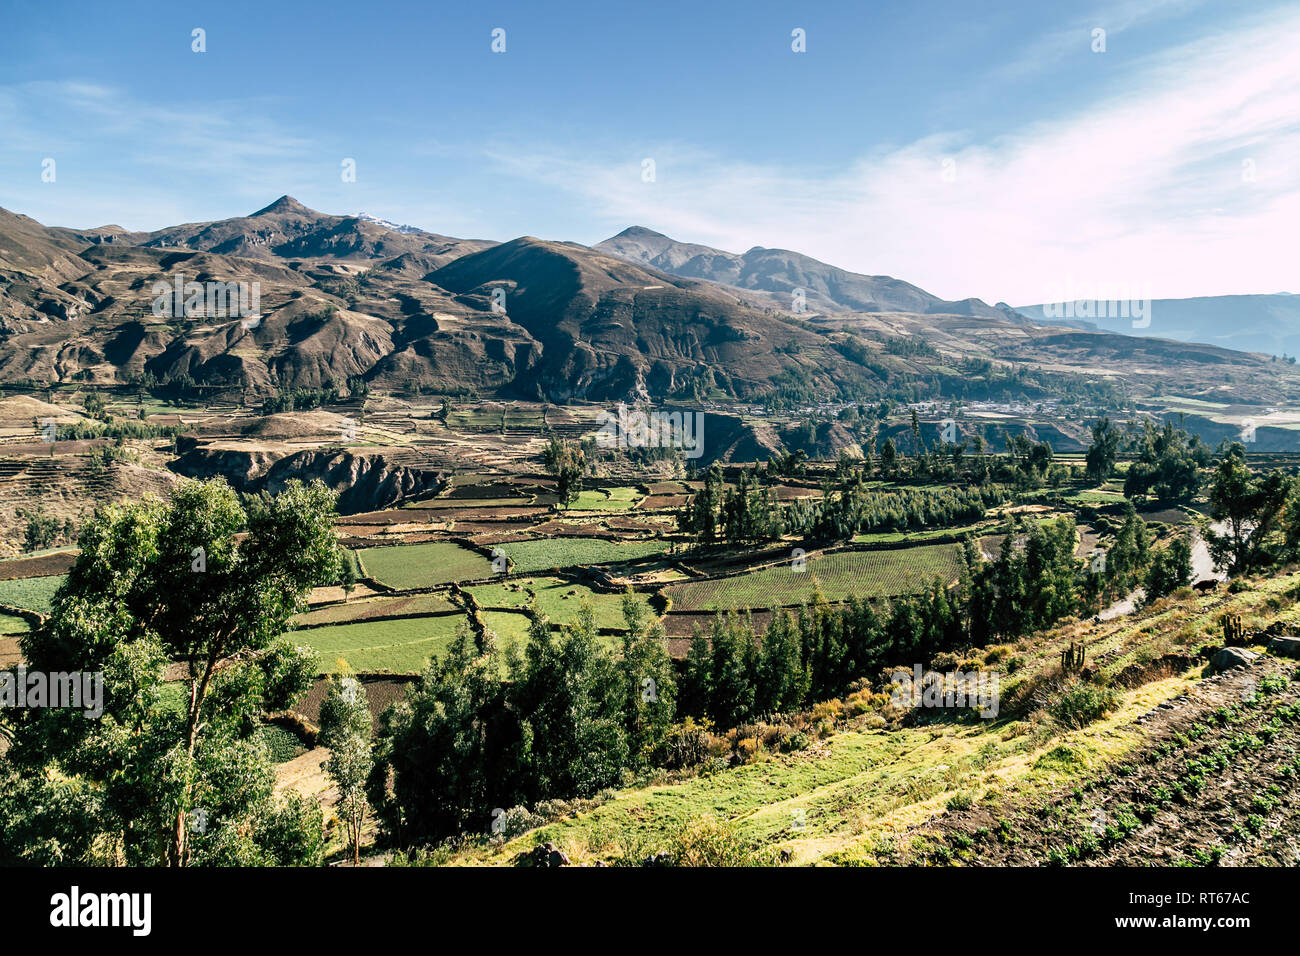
{"x": 637, "y": 316}
{"x": 1267, "y": 323}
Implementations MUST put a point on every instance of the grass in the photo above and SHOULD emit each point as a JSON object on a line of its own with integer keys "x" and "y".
{"x": 864, "y": 573}
{"x": 846, "y": 797}
{"x": 31, "y": 594}
{"x": 510, "y": 627}
{"x": 893, "y": 537}
{"x": 559, "y": 600}
{"x": 395, "y": 647}
{"x": 423, "y": 565}
{"x": 609, "y": 499}
{"x": 1095, "y": 498}
{"x": 376, "y": 608}
{"x": 542, "y": 555}
{"x": 12, "y": 624}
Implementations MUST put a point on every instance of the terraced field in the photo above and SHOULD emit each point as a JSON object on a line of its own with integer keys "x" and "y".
{"x": 542, "y": 555}
{"x": 423, "y": 565}
{"x": 397, "y": 647}
{"x": 609, "y": 499}
{"x": 31, "y": 594}
{"x": 366, "y": 609}
{"x": 558, "y": 600}
{"x": 864, "y": 573}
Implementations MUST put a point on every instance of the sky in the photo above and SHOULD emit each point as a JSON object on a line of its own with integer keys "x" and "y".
{"x": 1016, "y": 151}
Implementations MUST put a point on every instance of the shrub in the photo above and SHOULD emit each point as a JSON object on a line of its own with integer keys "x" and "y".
{"x": 709, "y": 842}
{"x": 511, "y": 823}
{"x": 1080, "y": 703}
{"x": 796, "y": 741}
{"x": 960, "y": 801}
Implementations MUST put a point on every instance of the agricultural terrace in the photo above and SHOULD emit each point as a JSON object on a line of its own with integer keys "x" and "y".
{"x": 423, "y": 565}
{"x": 527, "y": 557}
{"x": 881, "y": 573}
{"x": 396, "y": 646}
{"x": 31, "y": 594}
{"x": 376, "y": 608}
{"x": 557, "y": 599}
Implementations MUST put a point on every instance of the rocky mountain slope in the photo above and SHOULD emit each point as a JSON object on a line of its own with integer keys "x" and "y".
{"x": 344, "y": 299}
{"x": 779, "y": 272}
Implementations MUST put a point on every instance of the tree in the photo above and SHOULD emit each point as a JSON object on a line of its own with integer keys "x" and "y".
{"x": 452, "y": 747}
{"x": 649, "y": 687}
{"x": 888, "y": 457}
{"x": 40, "y": 530}
{"x": 1167, "y": 465}
{"x": 1248, "y": 507}
{"x": 566, "y": 463}
{"x": 196, "y": 578}
{"x": 1103, "y": 451}
{"x": 570, "y": 695}
{"x": 1170, "y": 569}
{"x": 345, "y": 731}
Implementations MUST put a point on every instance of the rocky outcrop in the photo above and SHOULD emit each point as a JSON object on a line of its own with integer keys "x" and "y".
{"x": 363, "y": 482}
{"x": 1228, "y": 658}
{"x": 1285, "y": 646}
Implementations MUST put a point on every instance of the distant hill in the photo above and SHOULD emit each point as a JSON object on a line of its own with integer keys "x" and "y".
{"x": 640, "y": 316}
{"x": 1251, "y": 323}
{"x": 779, "y": 272}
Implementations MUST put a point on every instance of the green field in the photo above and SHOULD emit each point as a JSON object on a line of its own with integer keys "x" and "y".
{"x": 609, "y": 499}
{"x": 283, "y": 745}
{"x": 11, "y": 624}
{"x": 510, "y": 627}
{"x": 558, "y": 600}
{"x": 423, "y": 565}
{"x": 455, "y": 504}
{"x": 31, "y": 594}
{"x": 893, "y": 537}
{"x": 529, "y": 556}
{"x": 397, "y": 647}
{"x": 368, "y": 609}
{"x": 1095, "y": 498}
{"x": 864, "y": 573}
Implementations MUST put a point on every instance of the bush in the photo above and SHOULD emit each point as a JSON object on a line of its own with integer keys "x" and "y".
{"x": 1080, "y": 703}
{"x": 960, "y": 801}
{"x": 511, "y": 823}
{"x": 709, "y": 842}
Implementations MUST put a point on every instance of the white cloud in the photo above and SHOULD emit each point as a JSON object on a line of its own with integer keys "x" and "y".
{"x": 1144, "y": 189}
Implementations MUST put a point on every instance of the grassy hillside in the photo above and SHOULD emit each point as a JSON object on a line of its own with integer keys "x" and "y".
{"x": 881, "y": 786}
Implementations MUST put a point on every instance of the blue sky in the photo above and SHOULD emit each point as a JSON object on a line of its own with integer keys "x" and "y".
{"x": 972, "y": 148}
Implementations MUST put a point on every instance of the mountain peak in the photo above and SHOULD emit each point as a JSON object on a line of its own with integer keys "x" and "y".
{"x": 285, "y": 204}
{"x": 639, "y": 232}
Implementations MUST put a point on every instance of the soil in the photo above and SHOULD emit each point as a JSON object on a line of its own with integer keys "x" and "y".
{"x": 1245, "y": 812}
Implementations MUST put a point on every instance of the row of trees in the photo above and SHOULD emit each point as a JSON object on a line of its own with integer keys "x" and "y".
{"x": 749, "y": 513}
{"x": 486, "y": 729}
{"x": 820, "y": 650}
